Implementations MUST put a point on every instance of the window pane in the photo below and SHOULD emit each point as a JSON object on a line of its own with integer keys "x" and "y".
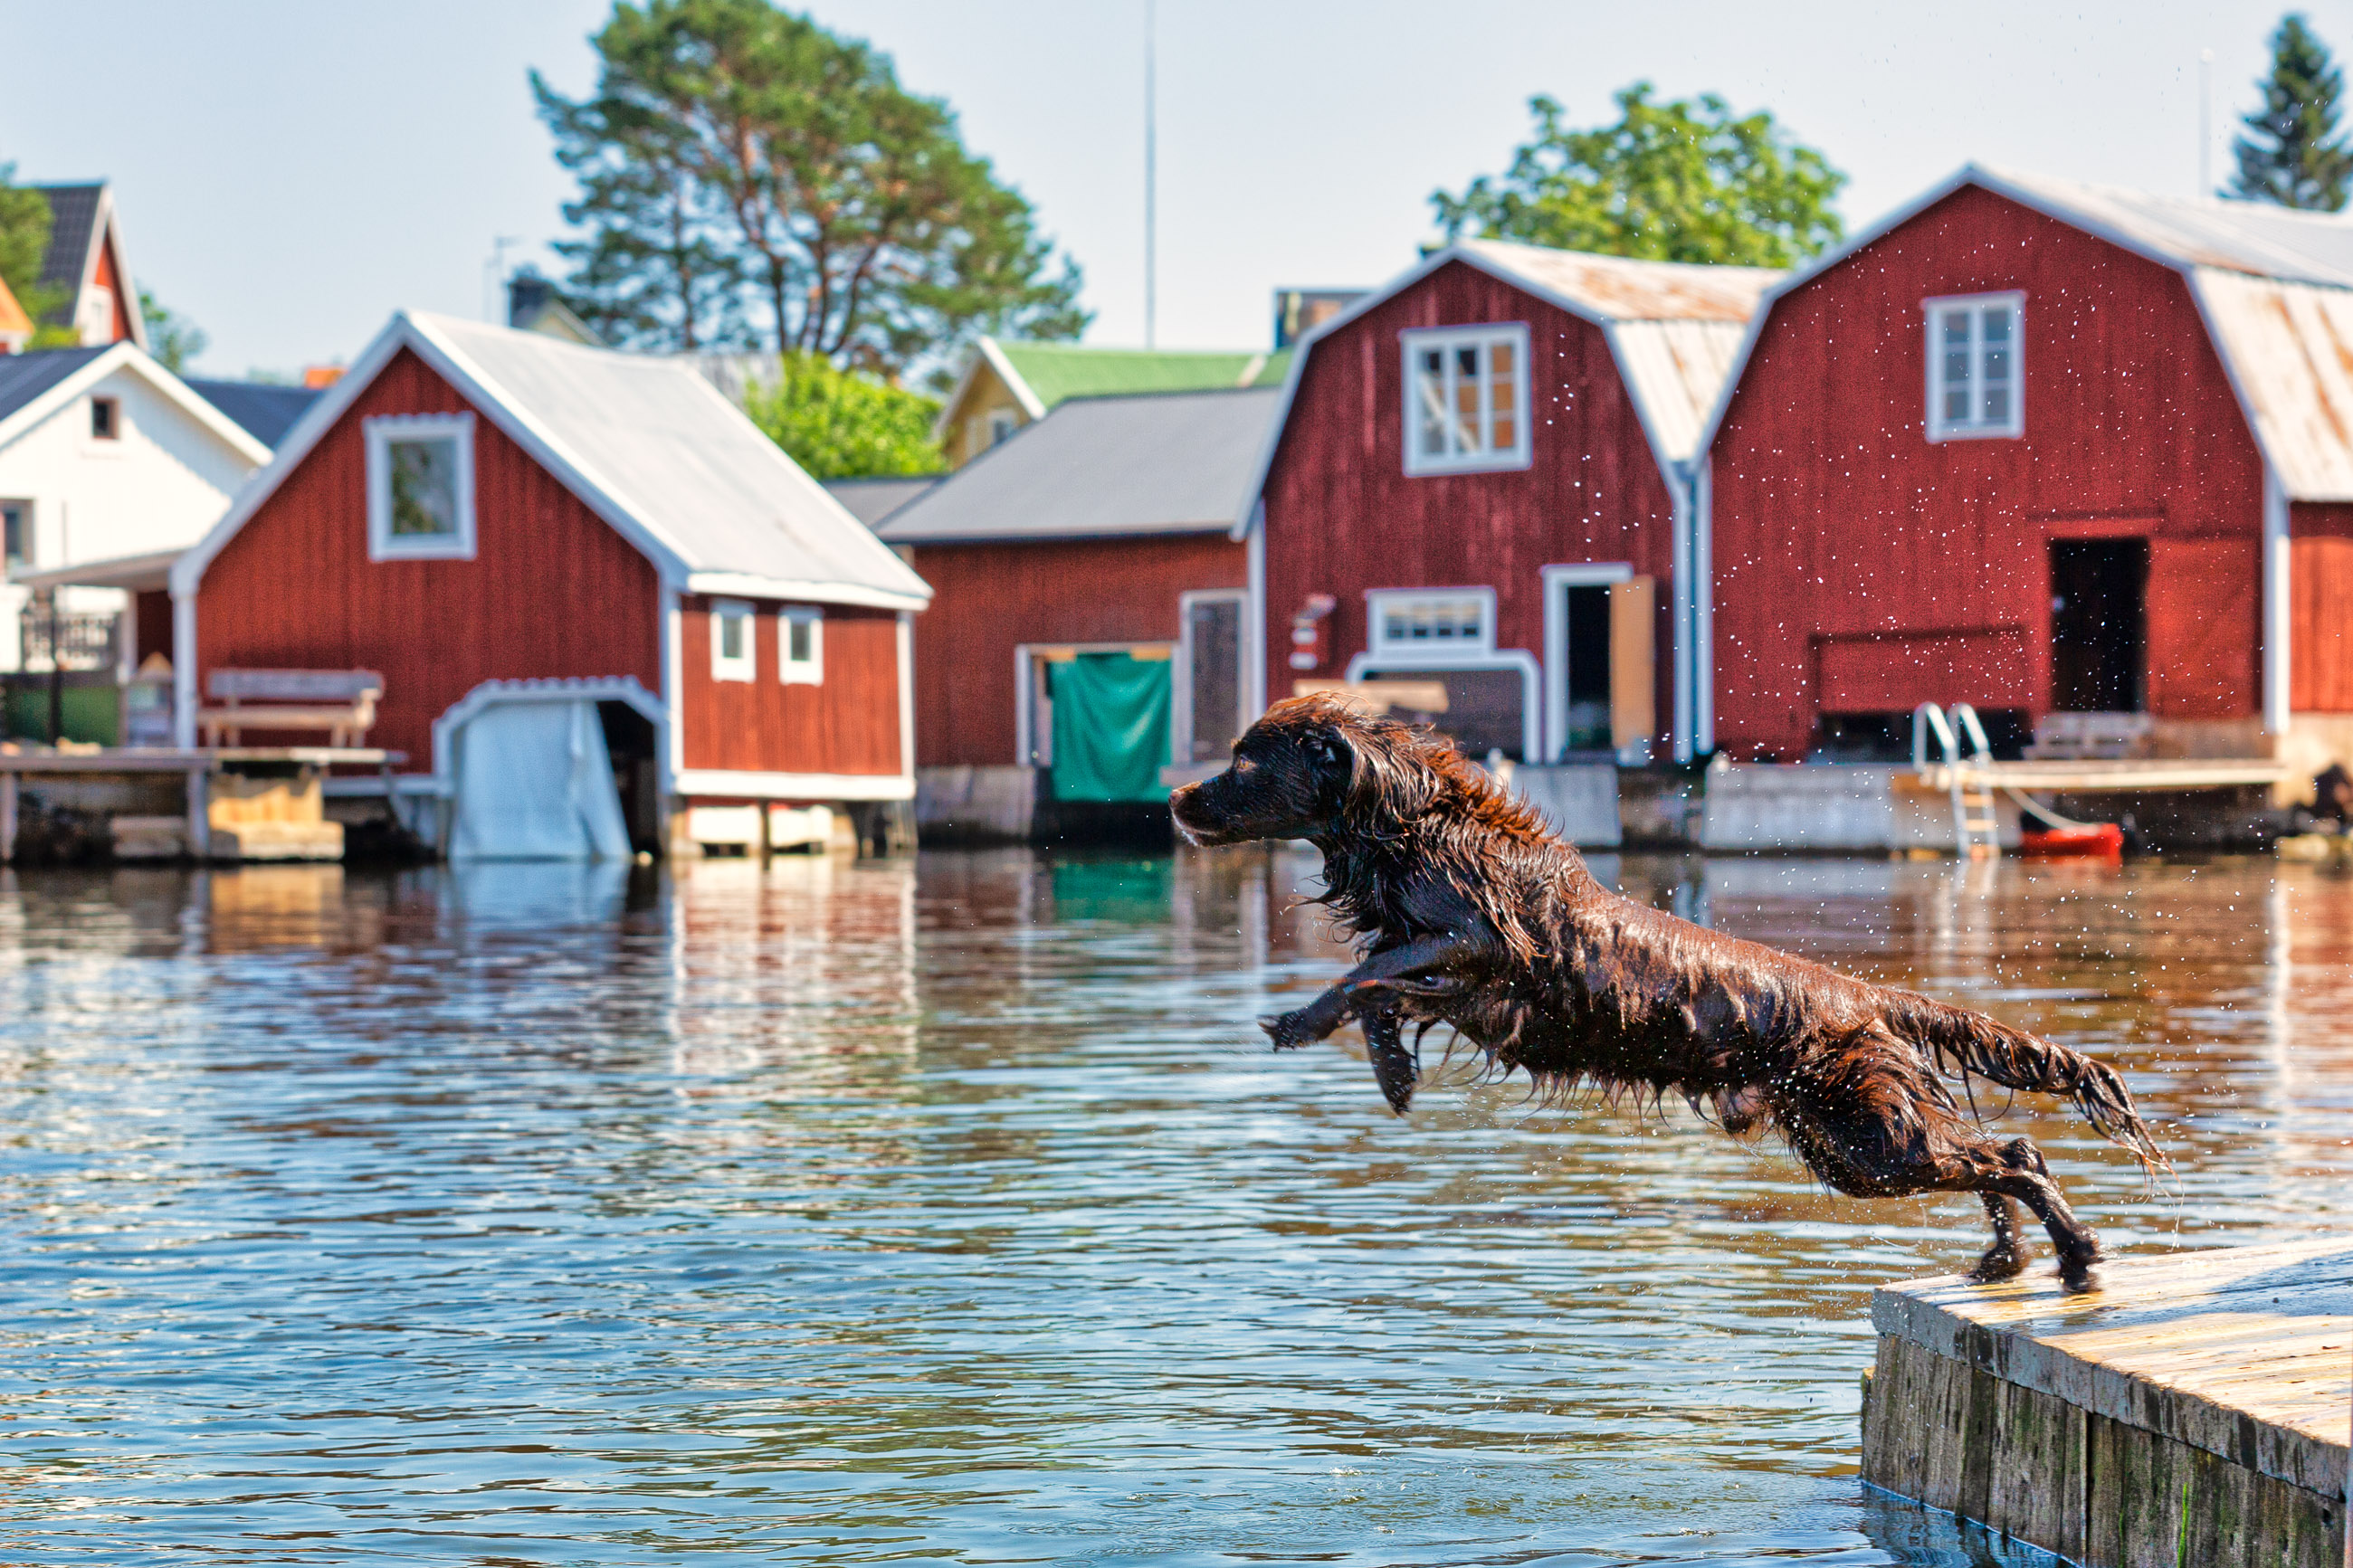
{"x": 1997, "y": 364}
{"x": 1466, "y": 408}
{"x": 1956, "y": 326}
{"x": 1956, "y": 405}
{"x": 731, "y": 637}
{"x": 1996, "y": 323}
{"x": 425, "y": 488}
{"x": 1466, "y": 363}
{"x": 797, "y": 639}
{"x": 1996, "y": 406}
{"x": 1499, "y": 360}
{"x": 1429, "y": 403}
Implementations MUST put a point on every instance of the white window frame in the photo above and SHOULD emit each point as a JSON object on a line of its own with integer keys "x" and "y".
{"x": 381, "y": 433}
{"x": 1940, "y": 428}
{"x": 1447, "y": 340}
{"x": 744, "y": 664}
{"x": 1380, "y": 602}
{"x": 1558, "y": 581}
{"x": 809, "y": 672}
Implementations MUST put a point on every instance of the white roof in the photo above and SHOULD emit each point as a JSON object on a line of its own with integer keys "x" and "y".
{"x": 648, "y": 444}
{"x": 2275, "y": 285}
{"x": 1676, "y": 329}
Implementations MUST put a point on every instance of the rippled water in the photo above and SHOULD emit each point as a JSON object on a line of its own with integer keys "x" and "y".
{"x": 950, "y": 1212}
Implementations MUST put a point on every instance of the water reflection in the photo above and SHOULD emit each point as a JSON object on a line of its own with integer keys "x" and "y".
{"x": 847, "y": 1212}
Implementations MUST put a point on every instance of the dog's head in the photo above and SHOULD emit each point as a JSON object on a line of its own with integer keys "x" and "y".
{"x": 1304, "y": 770}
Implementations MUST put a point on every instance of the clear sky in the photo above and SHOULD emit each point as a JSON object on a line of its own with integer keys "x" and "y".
{"x": 291, "y": 173}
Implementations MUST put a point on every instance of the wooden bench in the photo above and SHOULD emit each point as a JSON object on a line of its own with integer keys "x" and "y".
{"x": 340, "y": 701}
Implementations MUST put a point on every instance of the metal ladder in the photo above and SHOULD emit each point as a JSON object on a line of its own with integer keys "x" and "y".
{"x": 1977, "y": 830}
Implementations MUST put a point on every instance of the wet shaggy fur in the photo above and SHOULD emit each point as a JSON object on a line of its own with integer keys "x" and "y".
{"x": 1469, "y": 913}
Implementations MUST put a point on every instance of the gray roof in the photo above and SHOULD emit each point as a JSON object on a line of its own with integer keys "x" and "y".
{"x": 2231, "y": 235}
{"x": 73, "y": 214}
{"x": 1167, "y": 462}
{"x": 265, "y": 412}
{"x": 23, "y": 377}
{"x": 871, "y": 501}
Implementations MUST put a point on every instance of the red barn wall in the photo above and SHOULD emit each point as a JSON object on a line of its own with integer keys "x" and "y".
{"x": 1842, "y": 535}
{"x": 551, "y": 590}
{"x": 988, "y": 599}
{"x": 1343, "y": 516}
{"x": 847, "y": 725}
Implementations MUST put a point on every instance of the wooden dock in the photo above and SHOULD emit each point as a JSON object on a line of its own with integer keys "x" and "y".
{"x": 2193, "y": 1410}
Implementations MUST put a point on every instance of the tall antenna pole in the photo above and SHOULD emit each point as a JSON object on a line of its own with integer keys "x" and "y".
{"x": 1151, "y": 181}
{"x": 2205, "y": 122}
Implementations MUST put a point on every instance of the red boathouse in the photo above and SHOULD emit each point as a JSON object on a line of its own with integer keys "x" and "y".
{"x": 497, "y": 521}
{"x": 1478, "y": 487}
{"x": 2046, "y": 449}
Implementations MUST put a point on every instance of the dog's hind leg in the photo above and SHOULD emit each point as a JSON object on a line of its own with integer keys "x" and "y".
{"x": 2008, "y": 1255}
{"x": 2023, "y": 1175}
{"x": 1395, "y": 1066}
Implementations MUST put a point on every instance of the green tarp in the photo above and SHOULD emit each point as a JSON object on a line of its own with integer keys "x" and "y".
{"x": 1111, "y": 727}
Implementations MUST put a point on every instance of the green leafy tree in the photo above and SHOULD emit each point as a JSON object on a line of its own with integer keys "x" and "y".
{"x": 741, "y": 166}
{"x": 172, "y": 338}
{"x": 25, "y": 223}
{"x": 842, "y": 423}
{"x": 1685, "y": 180}
{"x": 2293, "y": 155}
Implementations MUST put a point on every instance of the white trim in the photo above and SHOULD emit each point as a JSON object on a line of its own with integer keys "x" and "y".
{"x": 1180, "y": 705}
{"x": 811, "y": 671}
{"x": 379, "y": 433}
{"x": 1254, "y": 688}
{"x": 2278, "y": 606}
{"x": 183, "y": 668}
{"x": 1556, "y": 638}
{"x": 129, "y": 357}
{"x": 906, "y": 641}
{"x": 1703, "y": 605}
{"x": 602, "y": 689}
{"x": 1679, "y": 617}
{"x": 1933, "y": 311}
{"x": 750, "y": 585}
{"x": 1378, "y": 602}
{"x": 724, "y": 784}
{"x": 733, "y": 667}
{"x": 1025, "y": 718}
{"x": 1531, "y": 681}
{"x": 1483, "y": 336}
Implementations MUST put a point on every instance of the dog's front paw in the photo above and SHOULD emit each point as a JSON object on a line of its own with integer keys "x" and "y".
{"x": 1290, "y": 1031}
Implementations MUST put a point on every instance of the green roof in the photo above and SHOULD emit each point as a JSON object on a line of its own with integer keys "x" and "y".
{"x": 1059, "y": 370}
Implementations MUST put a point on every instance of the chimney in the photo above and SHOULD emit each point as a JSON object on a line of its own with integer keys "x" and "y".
{"x": 527, "y": 297}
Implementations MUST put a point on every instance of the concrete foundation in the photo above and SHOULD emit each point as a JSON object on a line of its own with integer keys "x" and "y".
{"x": 976, "y": 804}
{"x": 1830, "y": 808}
{"x": 1579, "y": 801}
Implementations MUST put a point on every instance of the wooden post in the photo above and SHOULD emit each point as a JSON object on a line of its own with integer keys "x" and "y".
{"x": 7, "y": 816}
{"x": 200, "y": 842}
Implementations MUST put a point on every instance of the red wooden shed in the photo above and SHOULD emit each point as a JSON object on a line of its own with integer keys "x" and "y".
{"x": 495, "y": 520}
{"x": 1478, "y": 488}
{"x": 2043, "y": 448}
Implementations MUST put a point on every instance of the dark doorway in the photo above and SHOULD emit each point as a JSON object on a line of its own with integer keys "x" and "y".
{"x": 1585, "y": 725}
{"x": 629, "y": 737}
{"x": 2098, "y": 624}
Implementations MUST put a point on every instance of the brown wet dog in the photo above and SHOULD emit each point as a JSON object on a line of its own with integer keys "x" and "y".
{"x": 1468, "y": 911}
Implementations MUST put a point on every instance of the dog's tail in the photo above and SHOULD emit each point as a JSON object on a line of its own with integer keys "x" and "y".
{"x": 1971, "y": 1044}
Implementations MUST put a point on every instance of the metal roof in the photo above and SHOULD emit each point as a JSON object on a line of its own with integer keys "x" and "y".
{"x": 265, "y": 411}
{"x": 1621, "y": 289}
{"x": 871, "y": 501}
{"x": 25, "y": 377}
{"x": 2254, "y": 238}
{"x": 2289, "y": 348}
{"x": 648, "y": 444}
{"x": 1170, "y": 462}
{"x": 73, "y": 224}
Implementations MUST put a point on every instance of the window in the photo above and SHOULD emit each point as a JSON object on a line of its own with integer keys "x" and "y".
{"x": 421, "y": 479}
{"x": 1466, "y": 398}
{"x": 1976, "y": 368}
{"x": 1460, "y": 620}
{"x": 800, "y": 646}
{"x": 16, "y": 533}
{"x": 1001, "y": 426}
{"x": 730, "y": 640}
{"x": 105, "y": 419}
{"x": 1209, "y": 685}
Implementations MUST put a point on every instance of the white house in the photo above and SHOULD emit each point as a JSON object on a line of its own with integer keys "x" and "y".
{"x": 110, "y": 467}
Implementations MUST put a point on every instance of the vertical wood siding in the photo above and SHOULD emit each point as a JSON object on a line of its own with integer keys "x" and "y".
{"x": 848, "y": 724}
{"x": 1835, "y": 518}
{"x": 551, "y": 591}
{"x": 988, "y": 599}
{"x": 1342, "y": 517}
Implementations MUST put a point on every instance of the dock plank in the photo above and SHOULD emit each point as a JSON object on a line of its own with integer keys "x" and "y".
{"x": 2216, "y": 1379}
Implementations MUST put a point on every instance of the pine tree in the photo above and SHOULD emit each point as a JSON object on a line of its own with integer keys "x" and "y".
{"x": 2294, "y": 156}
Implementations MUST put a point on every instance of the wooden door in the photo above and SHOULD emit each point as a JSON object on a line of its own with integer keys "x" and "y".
{"x": 1633, "y": 639}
